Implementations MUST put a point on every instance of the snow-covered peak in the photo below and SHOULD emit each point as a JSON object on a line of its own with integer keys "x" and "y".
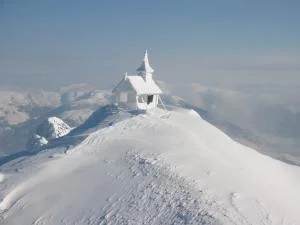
{"x": 52, "y": 128}
{"x": 154, "y": 168}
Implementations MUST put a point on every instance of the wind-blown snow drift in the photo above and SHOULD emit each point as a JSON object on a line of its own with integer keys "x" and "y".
{"x": 157, "y": 168}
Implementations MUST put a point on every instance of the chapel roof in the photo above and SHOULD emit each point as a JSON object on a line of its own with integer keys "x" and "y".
{"x": 139, "y": 85}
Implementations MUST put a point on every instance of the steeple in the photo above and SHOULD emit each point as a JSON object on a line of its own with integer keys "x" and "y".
{"x": 145, "y": 69}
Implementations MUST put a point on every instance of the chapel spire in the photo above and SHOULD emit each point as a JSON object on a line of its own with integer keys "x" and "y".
{"x": 145, "y": 67}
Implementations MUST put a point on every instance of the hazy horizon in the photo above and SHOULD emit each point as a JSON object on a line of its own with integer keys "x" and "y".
{"x": 47, "y": 44}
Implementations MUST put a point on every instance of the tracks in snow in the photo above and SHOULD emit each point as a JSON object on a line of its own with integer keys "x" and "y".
{"x": 159, "y": 197}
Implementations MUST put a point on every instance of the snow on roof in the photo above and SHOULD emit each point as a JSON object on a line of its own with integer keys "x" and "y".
{"x": 143, "y": 87}
{"x": 138, "y": 84}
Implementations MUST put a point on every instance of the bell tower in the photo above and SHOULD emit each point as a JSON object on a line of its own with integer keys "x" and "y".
{"x": 145, "y": 70}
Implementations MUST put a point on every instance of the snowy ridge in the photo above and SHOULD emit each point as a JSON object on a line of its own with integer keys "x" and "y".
{"x": 102, "y": 117}
{"x": 154, "y": 168}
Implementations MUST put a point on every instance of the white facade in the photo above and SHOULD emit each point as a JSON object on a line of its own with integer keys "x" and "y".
{"x": 138, "y": 91}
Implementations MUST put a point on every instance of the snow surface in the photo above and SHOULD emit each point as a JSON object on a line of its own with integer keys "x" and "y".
{"x": 155, "y": 168}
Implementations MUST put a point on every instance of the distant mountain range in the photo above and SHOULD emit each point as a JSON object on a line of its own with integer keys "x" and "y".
{"x": 23, "y": 111}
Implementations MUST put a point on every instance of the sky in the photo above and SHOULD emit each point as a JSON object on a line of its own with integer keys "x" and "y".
{"x": 50, "y": 43}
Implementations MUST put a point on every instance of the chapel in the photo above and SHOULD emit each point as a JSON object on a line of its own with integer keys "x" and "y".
{"x": 139, "y": 91}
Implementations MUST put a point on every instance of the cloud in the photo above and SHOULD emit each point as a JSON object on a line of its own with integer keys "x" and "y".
{"x": 260, "y": 61}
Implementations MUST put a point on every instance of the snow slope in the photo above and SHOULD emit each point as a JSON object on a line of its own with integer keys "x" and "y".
{"x": 155, "y": 168}
{"x": 268, "y": 113}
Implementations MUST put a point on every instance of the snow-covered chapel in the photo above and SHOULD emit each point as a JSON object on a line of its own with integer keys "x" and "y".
{"x": 138, "y": 91}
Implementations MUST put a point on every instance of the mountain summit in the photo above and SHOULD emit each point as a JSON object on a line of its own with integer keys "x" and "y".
{"x": 158, "y": 167}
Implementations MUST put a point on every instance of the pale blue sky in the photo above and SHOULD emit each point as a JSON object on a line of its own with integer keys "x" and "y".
{"x": 49, "y": 43}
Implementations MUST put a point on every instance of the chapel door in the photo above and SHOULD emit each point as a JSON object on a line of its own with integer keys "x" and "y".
{"x": 149, "y": 99}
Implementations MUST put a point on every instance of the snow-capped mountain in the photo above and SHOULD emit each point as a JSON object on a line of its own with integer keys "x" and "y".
{"x": 79, "y": 101}
{"x": 21, "y": 111}
{"x": 18, "y": 106}
{"x": 52, "y": 128}
{"x": 162, "y": 167}
{"x": 75, "y": 103}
